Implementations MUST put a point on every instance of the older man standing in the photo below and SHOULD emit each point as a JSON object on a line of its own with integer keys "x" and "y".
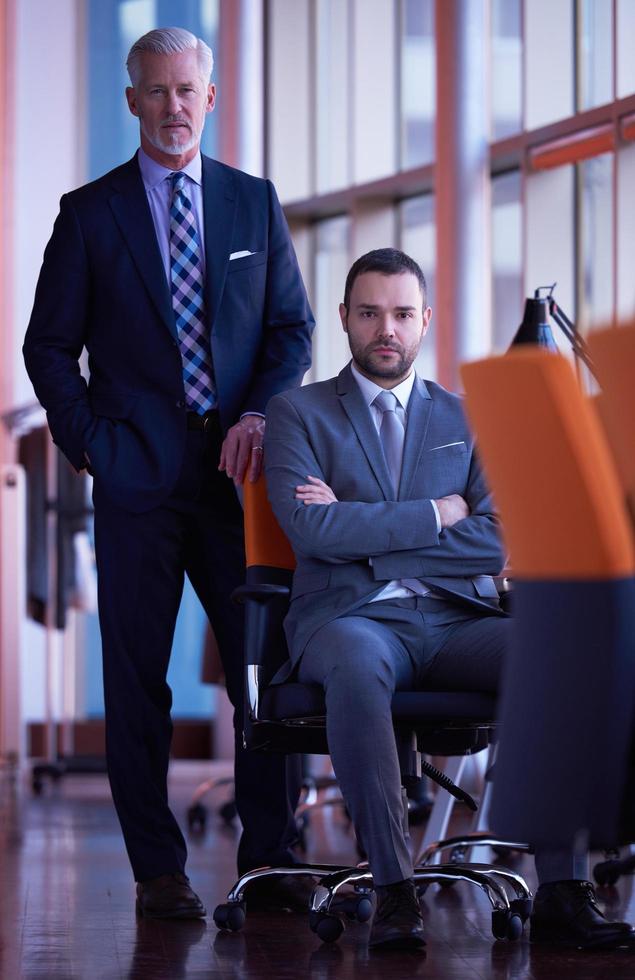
{"x": 178, "y": 276}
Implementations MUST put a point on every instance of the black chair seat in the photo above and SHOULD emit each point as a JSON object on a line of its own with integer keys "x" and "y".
{"x": 294, "y": 701}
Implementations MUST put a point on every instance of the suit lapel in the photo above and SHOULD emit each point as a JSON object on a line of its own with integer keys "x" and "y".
{"x": 353, "y": 403}
{"x": 419, "y": 411}
{"x": 219, "y": 208}
{"x": 129, "y": 205}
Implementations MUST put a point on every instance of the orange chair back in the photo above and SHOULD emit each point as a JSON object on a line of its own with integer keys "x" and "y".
{"x": 550, "y": 468}
{"x": 265, "y": 541}
{"x": 613, "y": 352}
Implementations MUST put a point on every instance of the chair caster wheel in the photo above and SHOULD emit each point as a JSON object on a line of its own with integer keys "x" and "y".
{"x": 506, "y": 925}
{"x": 227, "y": 812}
{"x": 357, "y": 908}
{"x": 521, "y": 907}
{"x": 197, "y": 817}
{"x": 230, "y": 916}
{"x": 326, "y": 926}
{"x": 606, "y": 873}
{"x": 364, "y": 910}
{"x": 458, "y": 854}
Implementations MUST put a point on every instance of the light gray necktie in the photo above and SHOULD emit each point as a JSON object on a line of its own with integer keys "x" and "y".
{"x": 391, "y": 434}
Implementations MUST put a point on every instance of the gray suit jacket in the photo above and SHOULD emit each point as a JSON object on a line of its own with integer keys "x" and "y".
{"x": 347, "y": 551}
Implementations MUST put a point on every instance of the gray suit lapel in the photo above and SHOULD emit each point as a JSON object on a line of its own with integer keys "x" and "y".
{"x": 419, "y": 411}
{"x": 353, "y": 403}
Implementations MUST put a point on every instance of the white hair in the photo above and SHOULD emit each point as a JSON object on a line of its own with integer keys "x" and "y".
{"x": 169, "y": 40}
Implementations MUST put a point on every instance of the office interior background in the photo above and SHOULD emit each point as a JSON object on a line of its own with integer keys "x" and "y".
{"x": 507, "y": 166}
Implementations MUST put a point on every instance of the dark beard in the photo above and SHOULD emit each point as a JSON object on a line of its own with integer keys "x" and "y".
{"x": 373, "y": 366}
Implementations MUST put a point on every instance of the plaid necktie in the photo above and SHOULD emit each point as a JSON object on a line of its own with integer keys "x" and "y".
{"x": 186, "y": 276}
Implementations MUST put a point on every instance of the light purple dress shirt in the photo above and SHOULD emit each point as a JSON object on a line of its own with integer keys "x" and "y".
{"x": 156, "y": 180}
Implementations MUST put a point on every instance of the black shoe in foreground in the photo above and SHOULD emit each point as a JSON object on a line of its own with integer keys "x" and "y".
{"x": 397, "y": 923}
{"x": 278, "y": 892}
{"x": 566, "y": 913}
{"x": 169, "y": 897}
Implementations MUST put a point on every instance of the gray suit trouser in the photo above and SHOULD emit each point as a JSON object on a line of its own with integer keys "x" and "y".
{"x": 360, "y": 660}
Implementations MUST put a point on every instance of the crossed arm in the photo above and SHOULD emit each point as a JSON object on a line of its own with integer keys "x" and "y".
{"x": 343, "y": 531}
{"x": 451, "y": 509}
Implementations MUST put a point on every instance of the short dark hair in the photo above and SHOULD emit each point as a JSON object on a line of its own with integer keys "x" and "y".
{"x": 387, "y": 261}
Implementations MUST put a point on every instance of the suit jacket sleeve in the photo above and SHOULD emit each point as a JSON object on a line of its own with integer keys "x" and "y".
{"x": 400, "y": 536}
{"x": 470, "y": 547}
{"x": 56, "y": 333}
{"x": 343, "y": 531}
{"x": 285, "y": 353}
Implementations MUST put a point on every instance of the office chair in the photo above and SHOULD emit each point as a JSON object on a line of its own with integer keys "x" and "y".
{"x": 569, "y": 699}
{"x": 613, "y": 353}
{"x": 290, "y": 717}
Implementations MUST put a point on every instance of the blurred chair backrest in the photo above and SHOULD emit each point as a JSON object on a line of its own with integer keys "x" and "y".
{"x": 266, "y": 544}
{"x": 613, "y": 352}
{"x": 550, "y": 468}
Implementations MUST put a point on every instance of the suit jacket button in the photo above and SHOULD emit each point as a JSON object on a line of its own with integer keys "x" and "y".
{"x": 180, "y": 404}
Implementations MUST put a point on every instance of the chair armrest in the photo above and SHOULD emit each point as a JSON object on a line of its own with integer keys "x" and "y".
{"x": 260, "y": 593}
{"x": 505, "y": 588}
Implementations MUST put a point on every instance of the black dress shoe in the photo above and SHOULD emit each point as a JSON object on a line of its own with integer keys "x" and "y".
{"x": 566, "y": 913}
{"x": 290, "y": 892}
{"x": 397, "y": 923}
{"x": 169, "y": 897}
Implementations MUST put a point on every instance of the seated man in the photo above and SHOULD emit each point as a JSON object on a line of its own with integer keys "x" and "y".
{"x": 373, "y": 477}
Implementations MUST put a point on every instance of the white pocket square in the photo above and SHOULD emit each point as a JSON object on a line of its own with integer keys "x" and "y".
{"x": 446, "y": 445}
{"x": 240, "y": 255}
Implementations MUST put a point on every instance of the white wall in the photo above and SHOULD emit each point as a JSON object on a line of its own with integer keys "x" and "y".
{"x": 48, "y": 112}
{"x": 48, "y": 160}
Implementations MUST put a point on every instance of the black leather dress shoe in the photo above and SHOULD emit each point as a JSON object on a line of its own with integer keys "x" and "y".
{"x": 169, "y": 897}
{"x": 397, "y": 923}
{"x": 566, "y": 913}
{"x": 291, "y": 892}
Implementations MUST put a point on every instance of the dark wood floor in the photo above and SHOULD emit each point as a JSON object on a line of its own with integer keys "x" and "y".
{"x": 67, "y": 908}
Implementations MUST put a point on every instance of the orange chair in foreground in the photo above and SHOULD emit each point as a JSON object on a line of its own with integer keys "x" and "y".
{"x": 569, "y": 699}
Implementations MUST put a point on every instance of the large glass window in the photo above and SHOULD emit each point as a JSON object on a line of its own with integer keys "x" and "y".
{"x": 625, "y": 32}
{"x": 625, "y": 233}
{"x": 330, "y": 346}
{"x": 331, "y": 94}
{"x": 595, "y": 283}
{"x": 418, "y": 83}
{"x": 373, "y": 51}
{"x": 549, "y": 221}
{"x": 549, "y": 58}
{"x": 595, "y": 53}
{"x": 507, "y": 270}
{"x": 506, "y": 68}
{"x": 418, "y": 240}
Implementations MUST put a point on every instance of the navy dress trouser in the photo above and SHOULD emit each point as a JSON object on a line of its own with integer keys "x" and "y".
{"x": 141, "y": 563}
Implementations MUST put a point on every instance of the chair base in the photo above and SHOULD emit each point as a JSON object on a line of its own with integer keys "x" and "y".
{"x": 506, "y": 891}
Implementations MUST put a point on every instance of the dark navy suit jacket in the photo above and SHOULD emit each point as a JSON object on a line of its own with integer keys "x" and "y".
{"x": 103, "y": 287}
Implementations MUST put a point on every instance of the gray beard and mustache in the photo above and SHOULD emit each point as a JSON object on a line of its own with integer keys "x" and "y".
{"x": 171, "y": 144}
